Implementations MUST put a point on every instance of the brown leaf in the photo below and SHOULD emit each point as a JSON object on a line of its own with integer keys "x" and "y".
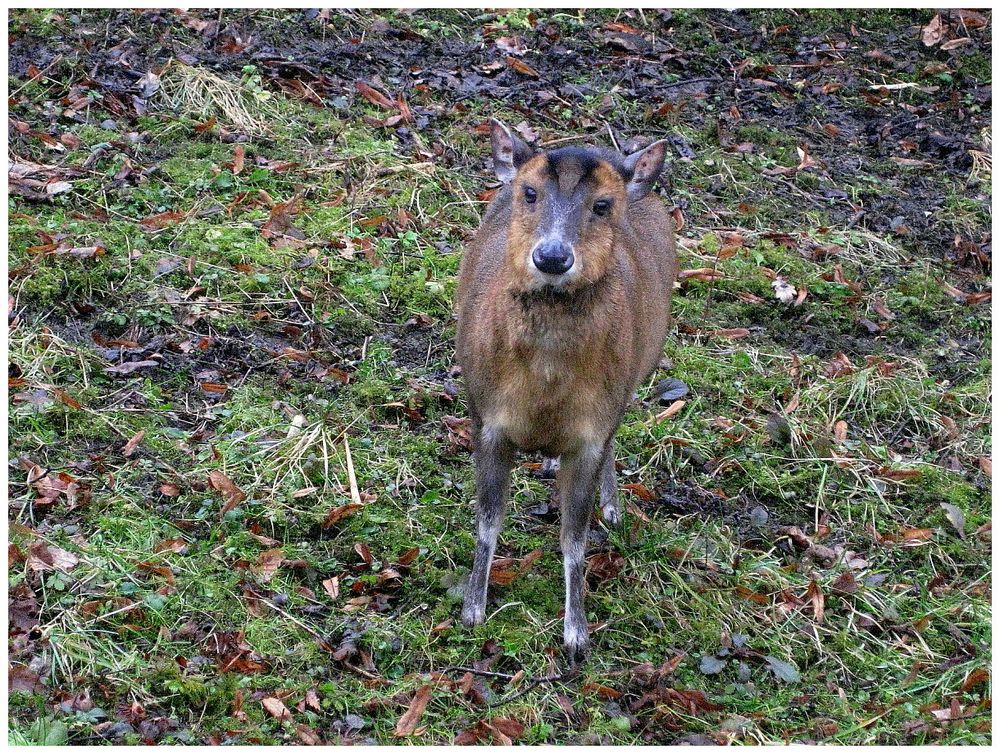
{"x": 640, "y": 491}
{"x": 915, "y": 536}
{"x": 268, "y": 563}
{"x": 986, "y": 464}
{"x": 459, "y": 431}
{"x": 332, "y": 587}
{"x": 505, "y": 729}
{"x": 206, "y": 126}
{"x": 231, "y": 494}
{"x": 932, "y": 33}
{"x": 818, "y": 599}
{"x": 365, "y": 554}
{"x": 408, "y": 722}
{"x": 404, "y": 109}
{"x": 839, "y": 366}
{"x": 732, "y": 333}
{"x": 951, "y": 44}
{"x": 671, "y": 410}
{"x": 704, "y": 274}
{"x": 239, "y": 156}
{"x": 605, "y": 692}
{"x": 169, "y": 489}
{"x": 161, "y": 220}
{"x": 978, "y": 677}
{"x": 898, "y": 475}
{"x": 66, "y": 399}
{"x": 373, "y": 95}
{"x": 129, "y": 448}
{"x": 605, "y": 565}
{"x": 22, "y": 678}
{"x": 338, "y": 513}
{"x": 312, "y": 701}
{"x": 171, "y": 545}
{"x": 43, "y": 557}
{"x": 276, "y": 708}
{"x": 845, "y": 583}
{"x": 307, "y": 735}
{"x": 521, "y": 67}
{"x": 972, "y": 19}
{"x": 529, "y": 560}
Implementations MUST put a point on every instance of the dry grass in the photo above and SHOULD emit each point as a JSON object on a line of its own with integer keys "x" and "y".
{"x": 199, "y": 91}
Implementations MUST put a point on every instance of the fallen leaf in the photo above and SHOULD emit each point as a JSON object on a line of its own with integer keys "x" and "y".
{"x": 130, "y": 366}
{"x": 276, "y": 708}
{"x": 312, "y": 701}
{"x": 268, "y": 563}
{"x": 239, "y": 156}
{"x": 307, "y": 735}
{"x": 364, "y": 553}
{"x": 66, "y": 399}
{"x": 336, "y": 514}
{"x": 43, "y": 557}
{"x": 670, "y": 410}
{"x": 815, "y": 595}
{"x": 231, "y": 494}
{"x": 951, "y": 44}
{"x": 955, "y": 515}
{"x": 521, "y": 67}
{"x": 605, "y": 692}
{"x": 932, "y": 33}
{"x": 845, "y": 583}
{"x": 732, "y": 333}
{"x": 373, "y": 95}
{"x": 782, "y": 670}
{"x": 171, "y": 545}
{"x": 916, "y": 536}
{"x": 986, "y": 465}
{"x": 161, "y": 220}
{"x": 332, "y": 587}
{"x": 129, "y": 448}
{"x": 408, "y": 722}
{"x": 978, "y": 677}
{"x": 784, "y": 292}
{"x": 640, "y": 491}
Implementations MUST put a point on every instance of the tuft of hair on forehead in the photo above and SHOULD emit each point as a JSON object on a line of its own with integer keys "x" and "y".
{"x": 569, "y": 166}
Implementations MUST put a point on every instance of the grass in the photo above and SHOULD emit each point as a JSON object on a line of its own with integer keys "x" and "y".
{"x": 787, "y": 521}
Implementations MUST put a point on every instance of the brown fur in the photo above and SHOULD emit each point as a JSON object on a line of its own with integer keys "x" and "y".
{"x": 556, "y": 367}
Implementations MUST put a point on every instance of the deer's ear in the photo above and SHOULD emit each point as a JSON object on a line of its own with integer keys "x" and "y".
{"x": 644, "y": 167}
{"x": 509, "y": 152}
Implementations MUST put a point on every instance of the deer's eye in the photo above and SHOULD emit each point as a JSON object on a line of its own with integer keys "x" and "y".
{"x": 602, "y": 207}
{"x": 530, "y": 195}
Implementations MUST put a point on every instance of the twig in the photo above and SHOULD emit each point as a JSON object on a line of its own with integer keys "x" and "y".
{"x": 711, "y": 285}
{"x": 532, "y": 681}
{"x": 352, "y": 480}
{"x": 684, "y": 82}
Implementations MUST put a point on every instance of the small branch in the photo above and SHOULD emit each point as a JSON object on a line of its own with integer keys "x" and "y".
{"x": 532, "y": 682}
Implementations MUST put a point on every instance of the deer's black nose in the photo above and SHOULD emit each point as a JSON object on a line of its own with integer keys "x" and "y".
{"x": 553, "y": 257}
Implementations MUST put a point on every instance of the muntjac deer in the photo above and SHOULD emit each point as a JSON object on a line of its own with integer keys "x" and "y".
{"x": 563, "y": 309}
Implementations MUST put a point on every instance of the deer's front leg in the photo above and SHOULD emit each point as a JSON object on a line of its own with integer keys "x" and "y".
{"x": 494, "y": 458}
{"x": 578, "y": 474}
